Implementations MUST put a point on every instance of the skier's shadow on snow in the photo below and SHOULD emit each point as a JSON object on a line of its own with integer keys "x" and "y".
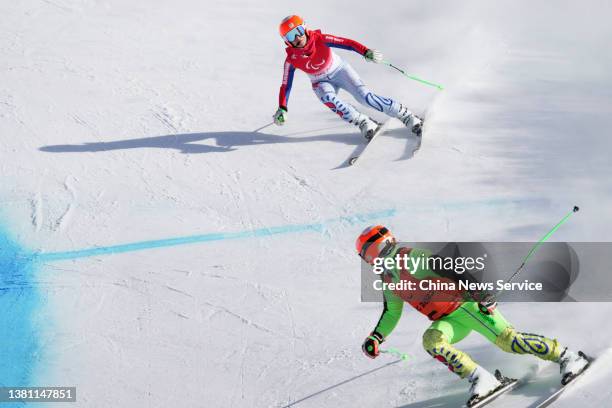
{"x": 188, "y": 143}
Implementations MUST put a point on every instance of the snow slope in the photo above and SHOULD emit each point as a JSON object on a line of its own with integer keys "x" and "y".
{"x": 225, "y": 273}
{"x": 593, "y": 388}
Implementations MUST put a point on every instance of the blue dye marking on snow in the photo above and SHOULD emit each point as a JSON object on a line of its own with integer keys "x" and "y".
{"x": 19, "y": 299}
{"x": 192, "y": 239}
{"x": 270, "y": 231}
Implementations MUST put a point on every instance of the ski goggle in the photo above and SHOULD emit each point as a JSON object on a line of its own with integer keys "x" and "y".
{"x": 381, "y": 249}
{"x": 297, "y": 31}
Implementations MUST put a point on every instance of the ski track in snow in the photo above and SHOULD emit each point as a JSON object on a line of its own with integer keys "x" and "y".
{"x": 65, "y": 217}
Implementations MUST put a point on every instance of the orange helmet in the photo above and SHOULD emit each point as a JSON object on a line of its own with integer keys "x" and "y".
{"x": 291, "y": 26}
{"x": 375, "y": 241}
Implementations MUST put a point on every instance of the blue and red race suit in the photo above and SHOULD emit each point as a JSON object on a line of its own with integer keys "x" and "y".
{"x": 316, "y": 59}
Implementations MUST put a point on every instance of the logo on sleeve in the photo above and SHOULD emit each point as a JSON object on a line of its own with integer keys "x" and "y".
{"x": 331, "y": 37}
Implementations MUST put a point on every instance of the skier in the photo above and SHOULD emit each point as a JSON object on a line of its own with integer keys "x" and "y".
{"x": 454, "y": 317}
{"x": 309, "y": 51}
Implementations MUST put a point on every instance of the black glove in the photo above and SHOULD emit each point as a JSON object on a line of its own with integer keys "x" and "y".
{"x": 373, "y": 56}
{"x": 371, "y": 343}
{"x": 487, "y": 305}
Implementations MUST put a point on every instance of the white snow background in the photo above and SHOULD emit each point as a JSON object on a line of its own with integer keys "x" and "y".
{"x": 130, "y": 121}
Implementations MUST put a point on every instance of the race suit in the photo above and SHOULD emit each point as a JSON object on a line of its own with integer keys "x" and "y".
{"x": 455, "y": 314}
{"x": 329, "y": 73}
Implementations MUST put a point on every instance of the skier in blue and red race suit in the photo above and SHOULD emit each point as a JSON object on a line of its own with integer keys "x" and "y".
{"x": 310, "y": 51}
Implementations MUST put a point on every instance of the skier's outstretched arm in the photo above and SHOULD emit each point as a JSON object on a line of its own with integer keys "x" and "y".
{"x": 283, "y": 95}
{"x": 392, "y": 312}
{"x": 352, "y": 45}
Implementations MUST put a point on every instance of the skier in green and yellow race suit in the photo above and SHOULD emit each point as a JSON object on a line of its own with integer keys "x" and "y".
{"x": 454, "y": 315}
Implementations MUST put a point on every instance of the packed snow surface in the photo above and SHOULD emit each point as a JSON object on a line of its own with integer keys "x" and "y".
{"x": 182, "y": 258}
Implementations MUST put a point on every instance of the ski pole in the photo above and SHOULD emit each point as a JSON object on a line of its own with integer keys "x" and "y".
{"x": 414, "y": 78}
{"x": 331, "y": 387}
{"x": 540, "y": 242}
{"x": 396, "y": 353}
{"x": 263, "y": 127}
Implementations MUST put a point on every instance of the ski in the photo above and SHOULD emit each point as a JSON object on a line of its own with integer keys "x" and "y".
{"x": 572, "y": 380}
{"x": 415, "y": 139}
{"x": 358, "y": 153}
{"x": 507, "y": 384}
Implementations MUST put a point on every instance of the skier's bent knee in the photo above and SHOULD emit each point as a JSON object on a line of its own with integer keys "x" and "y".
{"x": 433, "y": 338}
{"x": 438, "y": 346}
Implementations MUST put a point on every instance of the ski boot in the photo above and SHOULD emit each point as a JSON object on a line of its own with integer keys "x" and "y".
{"x": 572, "y": 365}
{"x": 483, "y": 384}
{"x": 412, "y": 121}
{"x": 366, "y": 125}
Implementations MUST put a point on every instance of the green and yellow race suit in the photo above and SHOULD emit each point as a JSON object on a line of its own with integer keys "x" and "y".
{"x": 455, "y": 314}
